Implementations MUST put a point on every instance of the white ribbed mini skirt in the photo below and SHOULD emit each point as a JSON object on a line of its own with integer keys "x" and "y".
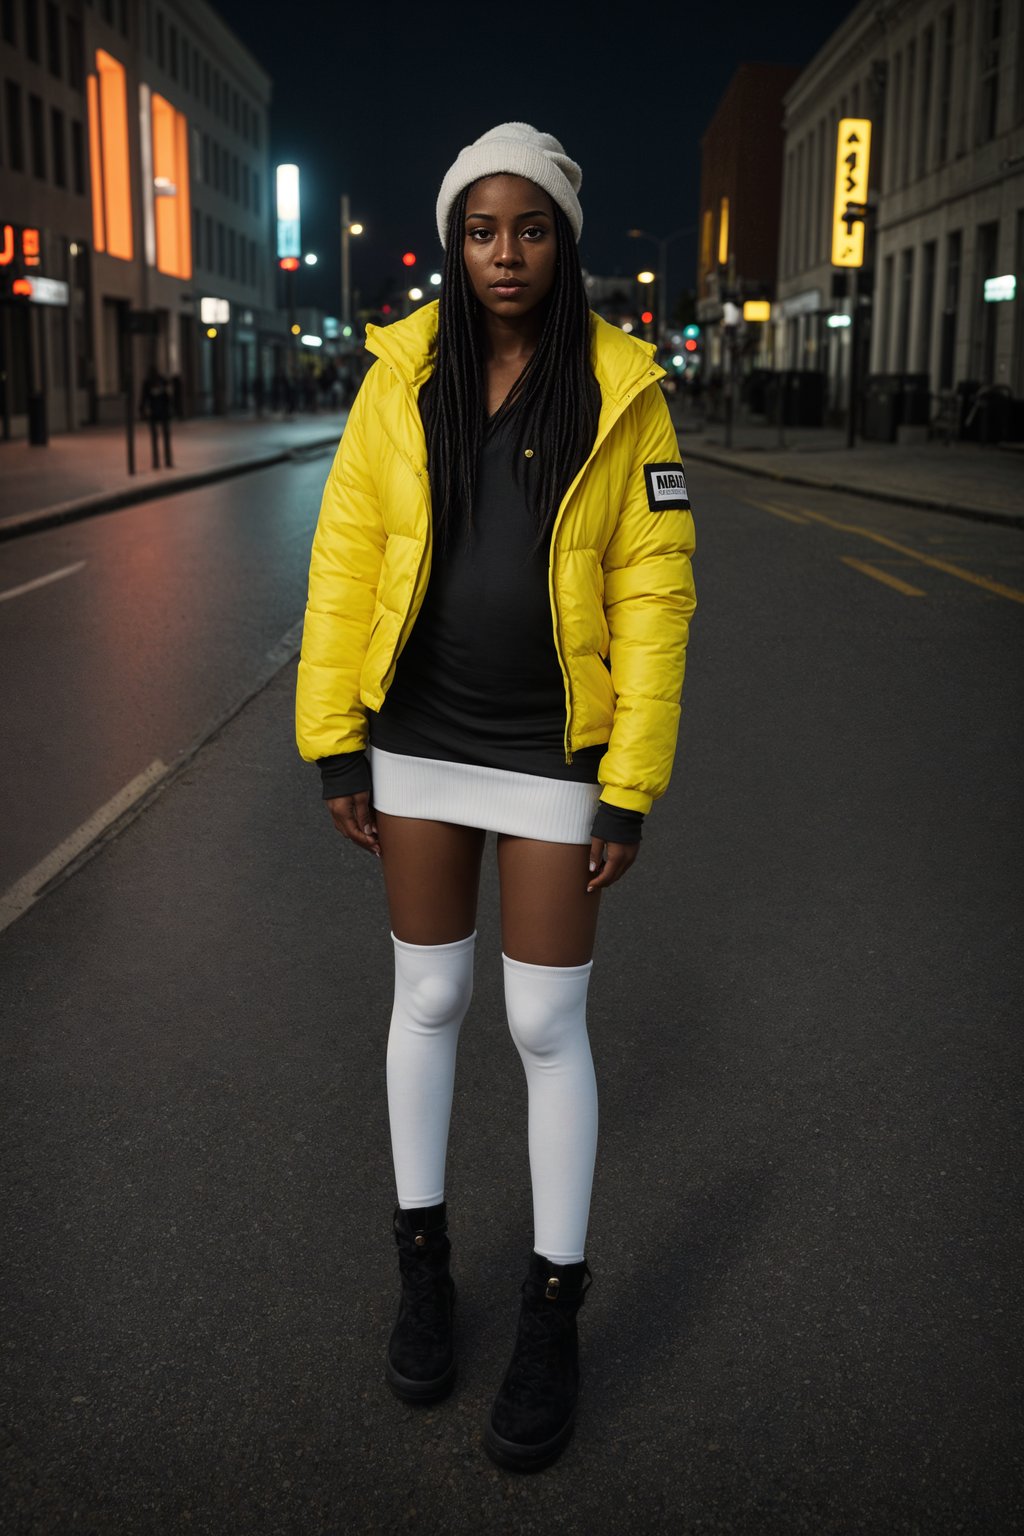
{"x": 496, "y": 799}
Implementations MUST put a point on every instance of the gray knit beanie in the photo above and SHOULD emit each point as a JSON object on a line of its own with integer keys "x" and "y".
{"x": 515, "y": 149}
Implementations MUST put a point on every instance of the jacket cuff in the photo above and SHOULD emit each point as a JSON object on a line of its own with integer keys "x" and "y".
{"x": 346, "y": 773}
{"x": 614, "y": 825}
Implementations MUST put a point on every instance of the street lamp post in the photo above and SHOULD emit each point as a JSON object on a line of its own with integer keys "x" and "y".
{"x": 347, "y": 229}
{"x": 663, "y": 243}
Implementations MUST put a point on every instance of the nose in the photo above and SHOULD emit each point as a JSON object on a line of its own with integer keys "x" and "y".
{"x": 506, "y": 251}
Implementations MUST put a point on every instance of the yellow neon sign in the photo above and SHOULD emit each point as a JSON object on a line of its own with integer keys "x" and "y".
{"x": 853, "y": 159}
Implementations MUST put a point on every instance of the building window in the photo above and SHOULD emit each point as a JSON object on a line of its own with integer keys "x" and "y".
{"x": 15, "y": 137}
{"x": 206, "y": 83}
{"x": 235, "y": 109}
{"x": 77, "y": 158}
{"x": 209, "y": 243}
{"x": 161, "y": 51}
{"x": 206, "y": 159}
{"x": 906, "y": 296}
{"x": 8, "y": 28}
{"x": 32, "y": 30}
{"x": 885, "y": 331}
{"x": 256, "y": 195}
{"x": 186, "y": 59}
{"x": 197, "y": 233}
{"x": 986, "y": 316}
{"x": 245, "y": 186}
{"x": 924, "y": 121}
{"x": 122, "y": 17}
{"x": 892, "y": 118}
{"x": 231, "y": 254}
{"x": 908, "y": 112}
{"x": 234, "y": 178}
{"x": 36, "y": 137}
{"x": 950, "y": 309}
{"x": 172, "y": 49}
{"x": 76, "y": 72}
{"x": 220, "y": 249}
{"x": 926, "y": 313}
{"x": 988, "y": 93}
{"x": 948, "y": 25}
{"x": 256, "y": 130}
{"x": 107, "y": 8}
{"x": 53, "y": 39}
{"x": 60, "y": 164}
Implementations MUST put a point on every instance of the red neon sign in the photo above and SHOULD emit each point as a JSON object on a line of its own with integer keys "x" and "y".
{"x": 30, "y": 247}
{"x": 7, "y": 250}
{"x": 289, "y": 263}
{"x": 22, "y": 287}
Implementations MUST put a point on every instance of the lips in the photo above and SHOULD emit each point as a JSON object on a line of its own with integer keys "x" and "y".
{"x": 508, "y": 282}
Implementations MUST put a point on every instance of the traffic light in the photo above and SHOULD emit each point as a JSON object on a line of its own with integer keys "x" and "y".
{"x": 647, "y": 317}
{"x": 409, "y": 259}
{"x": 691, "y": 332}
{"x": 289, "y": 263}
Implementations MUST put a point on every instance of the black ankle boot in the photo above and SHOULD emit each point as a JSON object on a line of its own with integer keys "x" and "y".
{"x": 421, "y": 1354}
{"x": 532, "y": 1419}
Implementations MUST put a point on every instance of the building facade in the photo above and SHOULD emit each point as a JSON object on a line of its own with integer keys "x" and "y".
{"x": 134, "y": 159}
{"x": 740, "y": 194}
{"x": 942, "y": 82}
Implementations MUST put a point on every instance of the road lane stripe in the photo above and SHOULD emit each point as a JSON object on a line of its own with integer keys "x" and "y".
{"x": 1011, "y": 593}
{"x": 890, "y": 581}
{"x": 20, "y": 896}
{"x": 41, "y": 581}
{"x": 791, "y": 517}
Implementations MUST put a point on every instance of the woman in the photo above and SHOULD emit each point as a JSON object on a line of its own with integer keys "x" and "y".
{"x": 499, "y": 600}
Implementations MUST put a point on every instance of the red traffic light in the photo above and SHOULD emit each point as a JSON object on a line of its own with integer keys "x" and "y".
{"x": 647, "y": 317}
{"x": 289, "y": 263}
{"x": 690, "y": 344}
{"x": 408, "y": 260}
{"x": 385, "y": 309}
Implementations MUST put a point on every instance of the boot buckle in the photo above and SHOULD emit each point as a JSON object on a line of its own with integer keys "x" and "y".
{"x": 551, "y": 1290}
{"x": 420, "y": 1239}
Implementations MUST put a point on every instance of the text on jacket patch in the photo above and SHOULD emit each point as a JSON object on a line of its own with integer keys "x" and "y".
{"x": 666, "y": 487}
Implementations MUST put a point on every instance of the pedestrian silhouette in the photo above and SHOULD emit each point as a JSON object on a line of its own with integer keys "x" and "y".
{"x": 155, "y": 407}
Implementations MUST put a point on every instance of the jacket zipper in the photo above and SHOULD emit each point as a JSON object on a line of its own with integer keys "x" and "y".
{"x": 626, "y": 400}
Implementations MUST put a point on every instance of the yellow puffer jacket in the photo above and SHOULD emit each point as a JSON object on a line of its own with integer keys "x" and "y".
{"x": 619, "y": 571}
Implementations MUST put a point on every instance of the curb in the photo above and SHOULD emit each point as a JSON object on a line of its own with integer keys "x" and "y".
{"x": 114, "y": 501}
{"x": 866, "y": 492}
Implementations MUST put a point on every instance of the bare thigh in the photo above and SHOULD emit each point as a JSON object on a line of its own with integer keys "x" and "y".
{"x": 547, "y": 915}
{"x": 432, "y": 877}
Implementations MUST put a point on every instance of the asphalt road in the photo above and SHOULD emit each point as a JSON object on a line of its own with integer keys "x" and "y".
{"x": 805, "y": 1012}
{"x": 126, "y": 636}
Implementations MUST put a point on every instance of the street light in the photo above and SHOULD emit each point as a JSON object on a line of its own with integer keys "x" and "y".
{"x": 309, "y": 259}
{"x": 663, "y": 243}
{"x": 415, "y": 294}
{"x": 347, "y": 229}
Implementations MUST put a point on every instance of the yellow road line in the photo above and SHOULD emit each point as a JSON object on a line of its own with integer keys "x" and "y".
{"x": 890, "y": 581}
{"x": 791, "y": 517}
{"x": 903, "y": 549}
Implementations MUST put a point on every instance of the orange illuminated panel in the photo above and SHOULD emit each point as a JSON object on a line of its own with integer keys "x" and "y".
{"x": 22, "y": 287}
{"x": 99, "y": 228}
{"x": 30, "y": 247}
{"x": 184, "y": 196}
{"x": 117, "y": 195}
{"x": 7, "y": 249}
{"x": 170, "y": 180}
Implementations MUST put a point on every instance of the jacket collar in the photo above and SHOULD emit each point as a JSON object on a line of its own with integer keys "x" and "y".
{"x": 621, "y": 363}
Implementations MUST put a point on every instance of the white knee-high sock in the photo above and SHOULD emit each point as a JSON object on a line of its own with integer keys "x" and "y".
{"x": 547, "y": 1015}
{"x": 433, "y": 986}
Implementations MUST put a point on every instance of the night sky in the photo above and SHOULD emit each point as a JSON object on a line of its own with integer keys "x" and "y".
{"x": 377, "y": 99}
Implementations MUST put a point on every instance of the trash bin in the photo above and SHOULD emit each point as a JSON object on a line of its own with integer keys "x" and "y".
{"x": 993, "y": 407}
{"x": 881, "y": 407}
{"x": 805, "y": 398}
{"x": 37, "y": 433}
{"x": 915, "y": 400}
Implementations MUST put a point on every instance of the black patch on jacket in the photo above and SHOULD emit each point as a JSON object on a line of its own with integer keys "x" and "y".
{"x": 666, "y": 488}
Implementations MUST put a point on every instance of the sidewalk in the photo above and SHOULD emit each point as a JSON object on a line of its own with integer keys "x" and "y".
{"x": 962, "y": 478}
{"x": 80, "y": 473}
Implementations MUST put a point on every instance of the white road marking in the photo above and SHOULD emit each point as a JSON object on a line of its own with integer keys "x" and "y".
{"x": 41, "y": 581}
{"x": 20, "y": 896}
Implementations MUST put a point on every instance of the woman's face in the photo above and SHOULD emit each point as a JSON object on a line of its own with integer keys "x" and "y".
{"x": 509, "y": 245}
